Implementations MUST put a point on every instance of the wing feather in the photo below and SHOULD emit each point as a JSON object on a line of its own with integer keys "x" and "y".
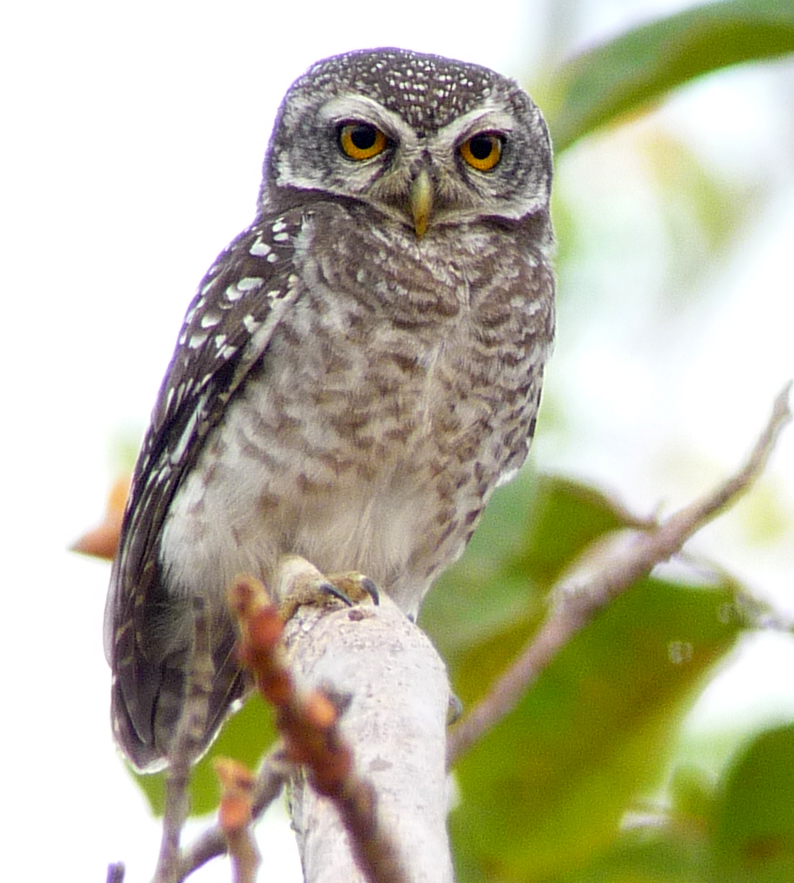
{"x": 227, "y": 328}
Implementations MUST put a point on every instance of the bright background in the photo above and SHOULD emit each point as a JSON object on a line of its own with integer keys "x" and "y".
{"x": 132, "y": 146}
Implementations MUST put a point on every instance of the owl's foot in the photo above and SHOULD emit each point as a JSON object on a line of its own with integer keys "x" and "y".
{"x": 353, "y": 588}
{"x": 298, "y": 582}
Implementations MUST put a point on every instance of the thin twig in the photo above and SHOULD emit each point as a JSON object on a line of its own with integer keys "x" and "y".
{"x": 270, "y": 780}
{"x": 186, "y": 745}
{"x": 581, "y": 595}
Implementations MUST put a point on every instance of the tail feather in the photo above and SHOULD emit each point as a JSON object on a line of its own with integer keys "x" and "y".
{"x": 148, "y": 699}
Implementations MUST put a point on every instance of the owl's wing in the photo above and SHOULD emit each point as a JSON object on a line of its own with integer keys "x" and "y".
{"x": 226, "y": 330}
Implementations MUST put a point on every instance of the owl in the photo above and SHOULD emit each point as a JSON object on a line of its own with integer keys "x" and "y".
{"x": 358, "y": 371}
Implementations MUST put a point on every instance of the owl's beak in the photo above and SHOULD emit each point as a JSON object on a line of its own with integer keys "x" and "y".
{"x": 421, "y": 202}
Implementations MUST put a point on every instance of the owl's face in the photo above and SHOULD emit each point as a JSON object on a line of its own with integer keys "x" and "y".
{"x": 424, "y": 140}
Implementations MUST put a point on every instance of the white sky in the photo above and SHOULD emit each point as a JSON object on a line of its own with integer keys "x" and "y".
{"x": 133, "y": 139}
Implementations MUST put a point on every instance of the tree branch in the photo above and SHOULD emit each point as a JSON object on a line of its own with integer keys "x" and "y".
{"x": 369, "y": 798}
{"x": 396, "y": 725}
{"x": 353, "y": 826}
{"x": 605, "y": 573}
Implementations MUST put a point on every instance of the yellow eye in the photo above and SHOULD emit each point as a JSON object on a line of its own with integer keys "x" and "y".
{"x": 361, "y": 140}
{"x": 482, "y": 151}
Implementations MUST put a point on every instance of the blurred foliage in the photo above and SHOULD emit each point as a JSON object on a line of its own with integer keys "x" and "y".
{"x": 655, "y": 220}
{"x": 741, "y": 831}
{"x": 700, "y": 210}
{"x": 559, "y": 791}
{"x": 626, "y": 74}
{"x": 753, "y": 819}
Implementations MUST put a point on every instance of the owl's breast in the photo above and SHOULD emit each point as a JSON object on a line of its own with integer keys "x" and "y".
{"x": 372, "y": 431}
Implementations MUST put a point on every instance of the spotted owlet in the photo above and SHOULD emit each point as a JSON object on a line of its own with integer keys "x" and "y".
{"x": 358, "y": 371}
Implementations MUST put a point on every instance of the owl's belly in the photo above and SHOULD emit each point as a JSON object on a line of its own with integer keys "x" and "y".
{"x": 387, "y": 479}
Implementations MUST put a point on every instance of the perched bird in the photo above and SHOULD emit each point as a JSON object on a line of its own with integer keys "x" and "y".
{"x": 358, "y": 371}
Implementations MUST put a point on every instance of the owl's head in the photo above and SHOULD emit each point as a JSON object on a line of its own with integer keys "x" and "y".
{"x": 423, "y": 139}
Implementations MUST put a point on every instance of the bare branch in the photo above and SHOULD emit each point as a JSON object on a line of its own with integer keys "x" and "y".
{"x": 186, "y": 746}
{"x": 606, "y": 573}
{"x": 309, "y": 724}
{"x": 396, "y": 723}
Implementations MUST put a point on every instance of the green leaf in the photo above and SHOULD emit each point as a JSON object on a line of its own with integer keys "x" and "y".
{"x": 754, "y": 840}
{"x": 545, "y": 791}
{"x": 642, "y": 65}
{"x": 245, "y": 737}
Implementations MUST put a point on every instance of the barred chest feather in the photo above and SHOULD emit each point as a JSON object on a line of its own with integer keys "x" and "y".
{"x": 379, "y": 420}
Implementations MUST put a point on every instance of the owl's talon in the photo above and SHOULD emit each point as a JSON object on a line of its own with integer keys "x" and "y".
{"x": 371, "y": 589}
{"x": 330, "y": 589}
{"x": 355, "y": 587}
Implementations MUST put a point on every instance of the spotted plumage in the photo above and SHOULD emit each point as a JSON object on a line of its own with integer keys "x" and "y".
{"x": 358, "y": 371}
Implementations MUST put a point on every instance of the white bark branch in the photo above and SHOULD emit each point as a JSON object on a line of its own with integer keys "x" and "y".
{"x": 396, "y": 727}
